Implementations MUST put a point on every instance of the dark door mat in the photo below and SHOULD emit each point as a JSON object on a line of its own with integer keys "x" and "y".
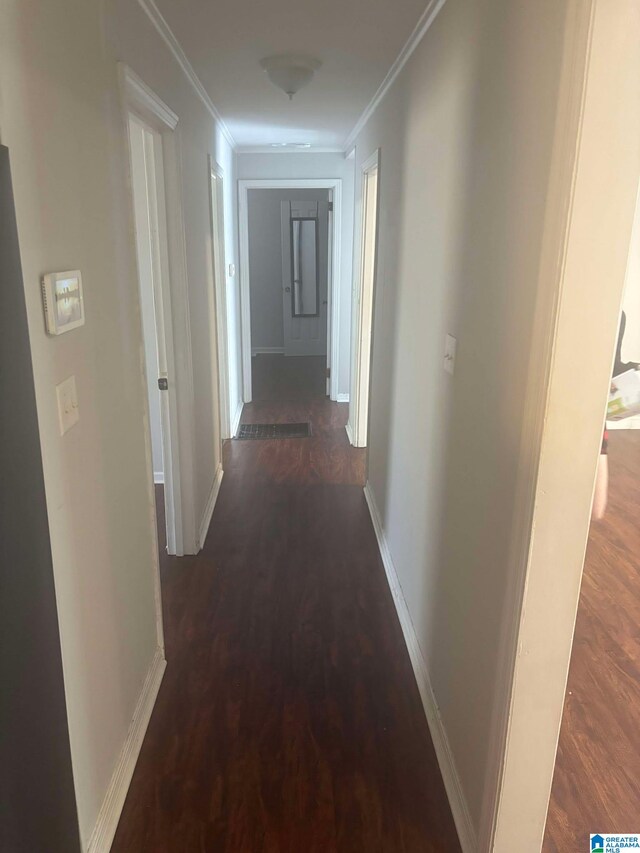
{"x": 256, "y": 431}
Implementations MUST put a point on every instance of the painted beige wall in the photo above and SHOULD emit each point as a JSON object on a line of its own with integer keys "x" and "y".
{"x": 465, "y": 134}
{"x": 60, "y": 116}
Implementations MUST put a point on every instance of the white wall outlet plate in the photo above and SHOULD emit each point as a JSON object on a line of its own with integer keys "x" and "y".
{"x": 68, "y": 413}
{"x": 450, "y": 354}
{"x": 232, "y": 270}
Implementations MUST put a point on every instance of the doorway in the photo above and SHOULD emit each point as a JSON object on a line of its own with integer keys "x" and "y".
{"x": 363, "y": 302}
{"x": 601, "y": 717}
{"x": 150, "y": 219}
{"x": 218, "y": 306}
{"x": 288, "y": 236}
{"x": 290, "y": 242}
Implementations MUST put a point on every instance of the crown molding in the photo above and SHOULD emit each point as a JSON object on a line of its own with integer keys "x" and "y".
{"x": 166, "y": 33}
{"x": 419, "y": 31}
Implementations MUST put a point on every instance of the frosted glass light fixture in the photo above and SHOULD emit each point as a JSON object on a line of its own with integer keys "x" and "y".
{"x": 290, "y": 72}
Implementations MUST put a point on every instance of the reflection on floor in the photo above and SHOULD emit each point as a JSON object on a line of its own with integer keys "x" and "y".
{"x": 289, "y": 720}
{"x": 596, "y": 786}
{"x": 279, "y": 377}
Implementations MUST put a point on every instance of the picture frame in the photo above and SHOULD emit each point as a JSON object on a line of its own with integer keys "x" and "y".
{"x": 63, "y": 301}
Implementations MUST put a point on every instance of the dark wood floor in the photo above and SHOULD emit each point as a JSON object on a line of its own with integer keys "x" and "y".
{"x": 288, "y": 720}
{"x": 596, "y": 786}
{"x": 285, "y": 378}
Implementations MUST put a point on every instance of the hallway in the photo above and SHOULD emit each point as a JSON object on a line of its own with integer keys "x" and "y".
{"x": 289, "y": 717}
{"x": 355, "y": 641}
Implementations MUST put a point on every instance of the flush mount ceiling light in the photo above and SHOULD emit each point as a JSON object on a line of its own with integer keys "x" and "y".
{"x": 290, "y": 72}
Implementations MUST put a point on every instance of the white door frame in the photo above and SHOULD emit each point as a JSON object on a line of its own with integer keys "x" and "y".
{"x": 361, "y": 326}
{"x": 219, "y": 306}
{"x": 591, "y": 199}
{"x": 334, "y": 283}
{"x": 139, "y": 101}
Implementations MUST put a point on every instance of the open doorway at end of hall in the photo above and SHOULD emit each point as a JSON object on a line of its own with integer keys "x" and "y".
{"x": 289, "y": 245}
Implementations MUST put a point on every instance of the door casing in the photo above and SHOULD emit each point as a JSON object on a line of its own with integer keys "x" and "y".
{"x": 334, "y": 280}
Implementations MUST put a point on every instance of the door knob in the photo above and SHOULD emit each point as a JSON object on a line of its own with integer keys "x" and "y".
{"x": 287, "y": 290}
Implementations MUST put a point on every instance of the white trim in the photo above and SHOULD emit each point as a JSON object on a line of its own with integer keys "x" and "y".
{"x": 141, "y": 103}
{"x": 342, "y": 398}
{"x": 109, "y": 815}
{"x": 235, "y": 423}
{"x": 208, "y": 510}
{"x": 419, "y": 31}
{"x": 281, "y": 149}
{"x": 446, "y": 761}
{"x": 349, "y": 430}
{"x": 244, "y": 185}
{"x": 165, "y": 31}
{"x": 559, "y": 194}
{"x": 158, "y": 478}
{"x": 219, "y": 322}
{"x": 362, "y": 324}
{"x": 267, "y": 350}
{"x": 139, "y": 94}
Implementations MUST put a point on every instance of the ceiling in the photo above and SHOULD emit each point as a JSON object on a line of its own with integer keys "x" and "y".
{"x": 356, "y": 40}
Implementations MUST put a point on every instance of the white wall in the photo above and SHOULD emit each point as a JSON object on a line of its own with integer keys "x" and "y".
{"x": 265, "y": 261}
{"x": 303, "y": 165}
{"x": 465, "y": 136}
{"x": 60, "y": 115}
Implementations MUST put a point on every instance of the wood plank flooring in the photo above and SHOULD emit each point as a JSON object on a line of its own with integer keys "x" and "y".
{"x": 289, "y": 720}
{"x": 279, "y": 378}
{"x": 596, "y": 786}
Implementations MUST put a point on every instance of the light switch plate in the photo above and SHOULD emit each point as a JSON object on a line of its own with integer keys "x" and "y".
{"x": 68, "y": 413}
{"x": 232, "y": 270}
{"x": 450, "y": 354}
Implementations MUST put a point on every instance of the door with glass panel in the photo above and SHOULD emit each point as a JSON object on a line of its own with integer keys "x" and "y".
{"x": 305, "y": 276}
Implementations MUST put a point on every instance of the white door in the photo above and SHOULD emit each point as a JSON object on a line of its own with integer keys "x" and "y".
{"x": 305, "y": 231}
{"x": 363, "y": 304}
{"x": 148, "y": 182}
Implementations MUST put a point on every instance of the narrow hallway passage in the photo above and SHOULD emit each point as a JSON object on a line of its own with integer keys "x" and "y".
{"x": 288, "y": 718}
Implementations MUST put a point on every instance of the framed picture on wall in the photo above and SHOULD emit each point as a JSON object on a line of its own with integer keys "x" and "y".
{"x": 63, "y": 301}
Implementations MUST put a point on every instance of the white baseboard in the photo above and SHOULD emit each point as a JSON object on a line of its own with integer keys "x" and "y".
{"x": 342, "y": 398}
{"x": 158, "y": 478}
{"x": 267, "y": 350}
{"x": 453, "y": 786}
{"x": 349, "y": 432}
{"x": 235, "y": 422}
{"x": 109, "y": 815}
{"x": 208, "y": 510}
